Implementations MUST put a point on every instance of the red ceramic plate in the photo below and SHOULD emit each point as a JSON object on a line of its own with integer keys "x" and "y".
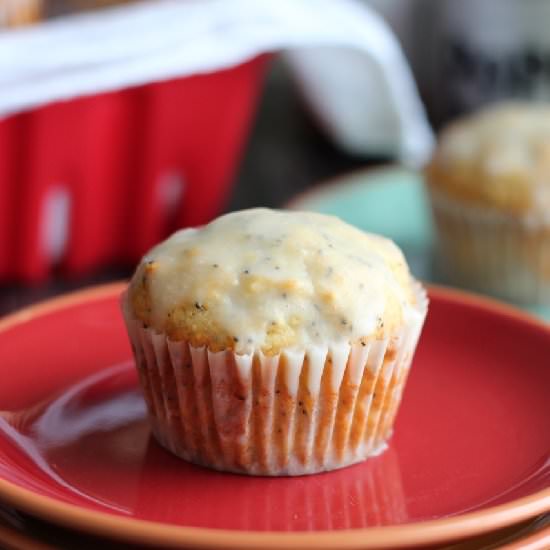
{"x": 470, "y": 453}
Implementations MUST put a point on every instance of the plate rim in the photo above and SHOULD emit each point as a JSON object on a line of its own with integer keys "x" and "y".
{"x": 151, "y": 533}
{"x": 348, "y": 180}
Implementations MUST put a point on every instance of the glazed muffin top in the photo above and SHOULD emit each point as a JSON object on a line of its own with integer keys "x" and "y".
{"x": 267, "y": 279}
{"x": 498, "y": 157}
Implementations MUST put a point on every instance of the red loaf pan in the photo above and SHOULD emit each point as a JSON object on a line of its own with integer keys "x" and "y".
{"x": 100, "y": 179}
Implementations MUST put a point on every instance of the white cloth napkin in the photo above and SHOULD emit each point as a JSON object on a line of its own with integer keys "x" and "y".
{"x": 344, "y": 56}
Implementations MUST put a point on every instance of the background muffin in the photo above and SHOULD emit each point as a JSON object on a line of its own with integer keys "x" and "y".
{"x": 489, "y": 183}
{"x": 274, "y": 343}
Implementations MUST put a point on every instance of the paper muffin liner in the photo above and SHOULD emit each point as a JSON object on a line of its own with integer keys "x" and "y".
{"x": 493, "y": 252}
{"x": 298, "y": 412}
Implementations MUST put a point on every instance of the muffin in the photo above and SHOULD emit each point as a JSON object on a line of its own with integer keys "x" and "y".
{"x": 489, "y": 184}
{"x": 273, "y": 343}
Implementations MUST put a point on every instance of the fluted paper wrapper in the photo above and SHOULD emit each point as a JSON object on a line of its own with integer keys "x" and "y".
{"x": 492, "y": 252}
{"x": 291, "y": 414}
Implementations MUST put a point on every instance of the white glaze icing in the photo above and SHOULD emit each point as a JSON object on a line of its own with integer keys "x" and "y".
{"x": 323, "y": 281}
